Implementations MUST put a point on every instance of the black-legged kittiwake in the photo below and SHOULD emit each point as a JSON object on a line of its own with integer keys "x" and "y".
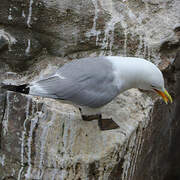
{"x": 93, "y": 82}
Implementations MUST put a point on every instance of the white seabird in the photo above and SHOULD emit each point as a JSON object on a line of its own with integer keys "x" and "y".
{"x": 95, "y": 81}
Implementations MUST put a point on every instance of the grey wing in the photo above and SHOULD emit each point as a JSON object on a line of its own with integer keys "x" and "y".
{"x": 84, "y": 84}
{"x": 90, "y": 91}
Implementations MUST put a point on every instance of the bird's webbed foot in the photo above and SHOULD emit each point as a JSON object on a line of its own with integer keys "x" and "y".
{"x": 107, "y": 124}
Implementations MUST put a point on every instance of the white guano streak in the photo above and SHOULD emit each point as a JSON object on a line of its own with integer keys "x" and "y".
{"x": 6, "y": 119}
{"x": 28, "y": 47}
{"x": 125, "y": 42}
{"x": 93, "y": 31}
{"x": 30, "y": 13}
{"x": 23, "y": 14}
{"x": 23, "y": 139}
{"x": 108, "y": 40}
{"x": 34, "y": 121}
{"x": 11, "y": 40}
{"x": 10, "y": 14}
{"x": 2, "y": 160}
{"x": 43, "y": 143}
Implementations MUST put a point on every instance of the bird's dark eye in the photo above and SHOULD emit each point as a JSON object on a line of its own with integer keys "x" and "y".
{"x": 153, "y": 86}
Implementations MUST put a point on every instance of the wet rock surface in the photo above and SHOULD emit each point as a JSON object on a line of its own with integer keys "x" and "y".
{"x": 45, "y": 139}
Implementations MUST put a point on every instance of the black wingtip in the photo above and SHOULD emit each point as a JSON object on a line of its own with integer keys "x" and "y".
{"x": 21, "y": 88}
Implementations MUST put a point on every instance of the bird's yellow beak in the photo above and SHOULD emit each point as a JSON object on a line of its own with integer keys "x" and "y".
{"x": 165, "y": 95}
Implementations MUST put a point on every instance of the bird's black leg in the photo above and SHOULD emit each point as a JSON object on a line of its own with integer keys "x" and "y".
{"x": 107, "y": 124}
{"x": 104, "y": 124}
{"x": 89, "y": 117}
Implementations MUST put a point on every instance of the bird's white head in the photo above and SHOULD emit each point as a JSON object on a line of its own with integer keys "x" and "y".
{"x": 151, "y": 78}
{"x": 139, "y": 73}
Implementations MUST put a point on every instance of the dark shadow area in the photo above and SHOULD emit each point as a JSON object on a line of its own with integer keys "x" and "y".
{"x": 174, "y": 155}
{"x": 160, "y": 153}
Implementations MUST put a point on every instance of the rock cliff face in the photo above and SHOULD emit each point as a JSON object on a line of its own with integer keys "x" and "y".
{"x": 45, "y": 139}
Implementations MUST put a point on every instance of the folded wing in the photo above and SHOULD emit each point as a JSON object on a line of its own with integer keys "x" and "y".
{"x": 87, "y": 82}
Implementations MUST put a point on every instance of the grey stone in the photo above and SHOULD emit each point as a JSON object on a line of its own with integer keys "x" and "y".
{"x": 22, "y": 52}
